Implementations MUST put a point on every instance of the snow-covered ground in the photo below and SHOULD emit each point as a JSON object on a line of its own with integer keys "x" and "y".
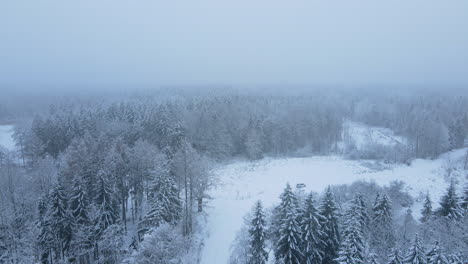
{"x": 363, "y": 135}
{"x": 6, "y": 137}
{"x": 242, "y": 183}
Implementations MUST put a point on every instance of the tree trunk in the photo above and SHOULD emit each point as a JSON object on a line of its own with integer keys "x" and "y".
{"x": 124, "y": 213}
{"x": 200, "y": 204}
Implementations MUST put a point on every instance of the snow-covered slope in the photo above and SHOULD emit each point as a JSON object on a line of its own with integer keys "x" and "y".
{"x": 242, "y": 183}
{"x": 363, "y": 135}
{"x": 6, "y": 137}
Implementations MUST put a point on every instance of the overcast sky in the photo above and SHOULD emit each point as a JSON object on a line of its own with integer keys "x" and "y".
{"x": 46, "y": 43}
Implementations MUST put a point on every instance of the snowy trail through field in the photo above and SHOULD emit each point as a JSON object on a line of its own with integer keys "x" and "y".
{"x": 242, "y": 183}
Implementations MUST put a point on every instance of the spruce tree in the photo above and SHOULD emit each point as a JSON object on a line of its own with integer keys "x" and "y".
{"x": 79, "y": 203}
{"x": 106, "y": 205}
{"x": 464, "y": 203}
{"x": 346, "y": 254}
{"x": 435, "y": 249}
{"x": 288, "y": 249}
{"x": 60, "y": 220}
{"x": 395, "y": 257}
{"x": 435, "y": 255}
{"x": 416, "y": 253}
{"x": 383, "y": 234}
{"x": 450, "y": 204}
{"x": 312, "y": 234}
{"x": 165, "y": 194}
{"x": 427, "y": 209}
{"x": 46, "y": 237}
{"x": 360, "y": 208}
{"x": 329, "y": 224}
{"x": 153, "y": 218}
{"x": 353, "y": 237}
{"x": 257, "y": 236}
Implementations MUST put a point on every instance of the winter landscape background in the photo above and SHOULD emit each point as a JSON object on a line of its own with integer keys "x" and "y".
{"x": 170, "y": 177}
{"x": 234, "y": 132}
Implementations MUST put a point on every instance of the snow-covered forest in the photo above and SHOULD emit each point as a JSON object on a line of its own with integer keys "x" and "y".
{"x": 167, "y": 176}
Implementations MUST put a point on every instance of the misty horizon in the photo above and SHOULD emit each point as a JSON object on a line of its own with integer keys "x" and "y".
{"x": 89, "y": 44}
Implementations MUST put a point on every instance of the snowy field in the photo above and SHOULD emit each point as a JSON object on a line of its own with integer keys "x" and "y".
{"x": 363, "y": 135}
{"x": 242, "y": 183}
{"x": 6, "y": 137}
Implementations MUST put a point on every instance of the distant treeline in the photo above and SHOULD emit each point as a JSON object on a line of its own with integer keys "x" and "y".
{"x": 225, "y": 126}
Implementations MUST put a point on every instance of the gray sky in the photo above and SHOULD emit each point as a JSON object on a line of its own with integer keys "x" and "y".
{"x": 233, "y": 42}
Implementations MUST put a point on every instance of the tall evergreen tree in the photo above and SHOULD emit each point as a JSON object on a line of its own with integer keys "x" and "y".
{"x": 450, "y": 204}
{"x": 60, "y": 220}
{"x": 257, "y": 236}
{"x": 352, "y": 235}
{"x": 395, "y": 257}
{"x": 79, "y": 202}
{"x": 288, "y": 249}
{"x": 329, "y": 224}
{"x": 360, "y": 208}
{"x": 435, "y": 255}
{"x": 383, "y": 233}
{"x": 346, "y": 254}
{"x": 165, "y": 194}
{"x": 312, "y": 234}
{"x": 427, "y": 209}
{"x": 106, "y": 205}
{"x": 416, "y": 253}
{"x": 46, "y": 237}
{"x": 153, "y": 218}
{"x": 464, "y": 202}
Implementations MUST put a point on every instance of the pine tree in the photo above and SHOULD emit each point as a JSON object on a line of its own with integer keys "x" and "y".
{"x": 358, "y": 211}
{"x": 464, "y": 202}
{"x": 312, "y": 235}
{"x": 106, "y": 207}
{"x": 165, "y": 194}
{"x": 346, "y": 254}
{"x": 383, "y": 234}
{"x": 352, "y": 236}
{"x": 416, "y": 253}
{"x": 450, "y": 204}
{"x": 329, "y": 224}
{"x": 79, "y": 203}
{"x": 427, "y": 209}
{"x": 60, "y": 220}
{"x": 153, "y": 218}
{"x": 257, "y": 236}
{"x": 360, "y": 208}
{"x": 288, "y": 249}
{"x": 435, "y": 249}
{"x": 395, "y": 257}
{"x": 435, "y": 255}
{"x": 46, "y": 237}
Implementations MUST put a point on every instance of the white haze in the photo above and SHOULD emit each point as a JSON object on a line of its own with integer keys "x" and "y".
{"x": 148, "y": 43}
